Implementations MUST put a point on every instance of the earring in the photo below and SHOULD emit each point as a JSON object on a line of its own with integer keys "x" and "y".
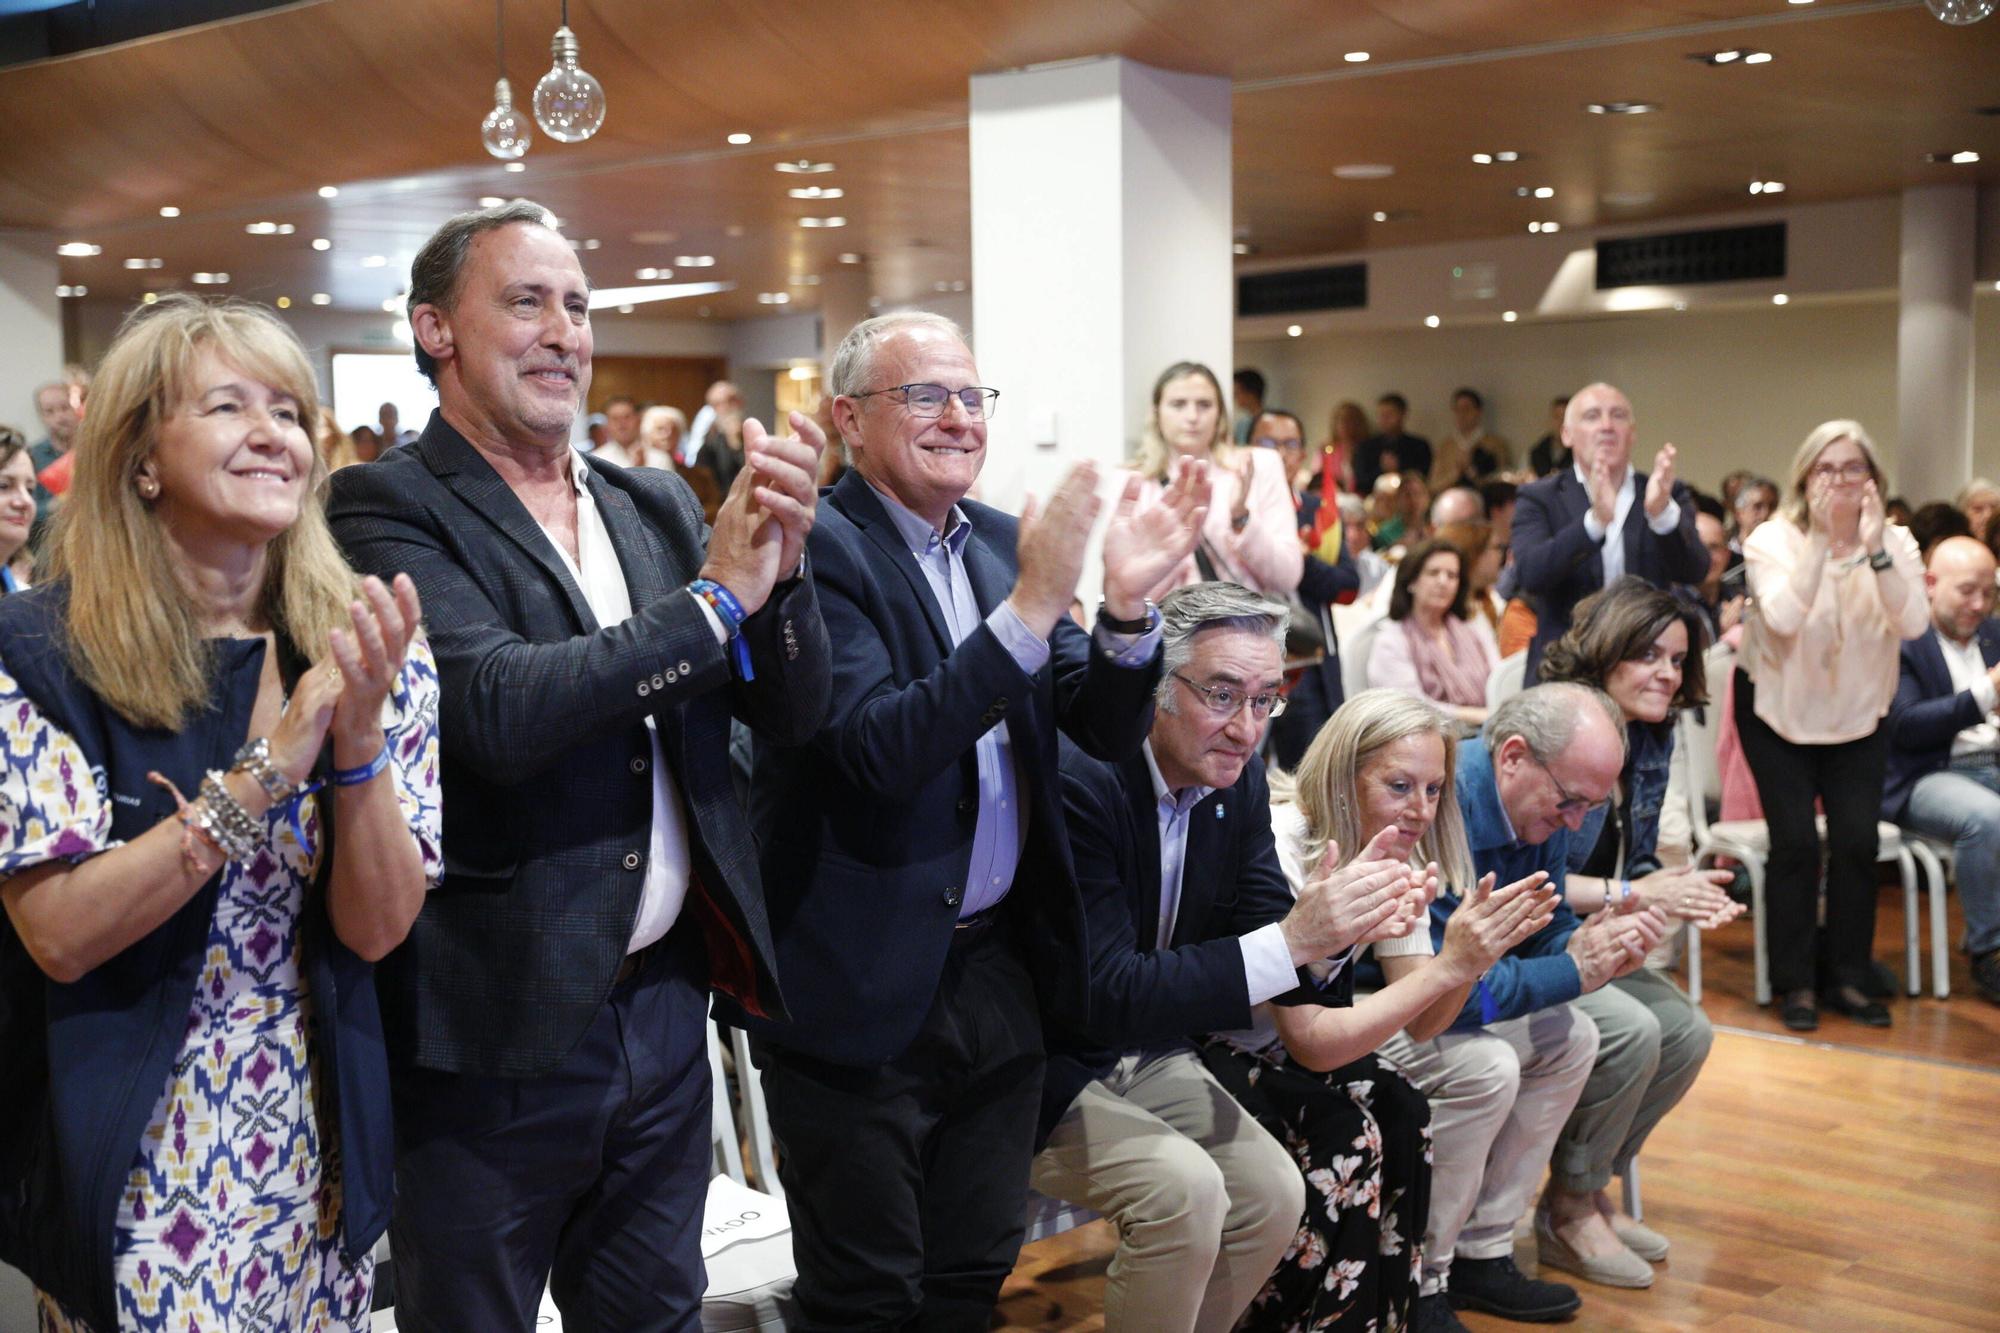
{"x": 149, "y": 488}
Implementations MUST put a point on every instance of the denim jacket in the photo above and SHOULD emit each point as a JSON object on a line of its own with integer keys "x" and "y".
{"x": 1649, "y": 754}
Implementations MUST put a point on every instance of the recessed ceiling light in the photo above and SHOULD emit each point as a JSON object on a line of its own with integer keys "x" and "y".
{"x": 265, "y": 228}
{"x": 149, "y": 298}
{"x": 695, "y": 261}
{"x": 1364, "y": 171}
{"x": 1545, "y": 192}
{"x": 65, "y": 290}
{"x": 774, "y": 298}
{"x": 375, "y": 261}
{"x": 1620, "y": 108}
{"x": 1551, "y": 228}
{"x": 1432, "y": 321}
{"x": 284, "y": 303}
{"x": 1966, "y": 158}
{"x": 321, "y": 298}
{"x": 1483, "y": 159}
{"x": 1683, "y": 305}
{"x": 1380, "y": 216}
{"x": 490, "y": 201}
{"x": 516, "y": 167}
{"x": 1293, "y": 330}
{"x": 802, "y": 167}
{"x": 1242, "y": 248}
{"x": 142, "y": 263}
{"x": 328, "y": 191}
{"x": 823, "y": 222}
{"x": 1781, "y": 299}
{"x": 1758, "y": 58}
{"x": 816, "y": 192}
{"x": 739, "y": 138}
{"x": 627, "y": 309}
{"x": 79, "y": 249}
{"x": 1356, "y": 57}
{"x": 1728, "y": 57}
{"x": 1798, "y": 2}
{"x": 1506, "y": 156}
{"x": 169, "y": 211}
{"x": 209, "y": 279}
{"x": 850, "y": 258}
{"x": 1767, "y": 187}
{"x": 1508, "y": 316}
{"x": 321, "y": 243}
{"x": 806, "y": 280}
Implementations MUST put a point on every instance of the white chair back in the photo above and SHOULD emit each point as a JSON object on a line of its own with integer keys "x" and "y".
{"x": 1354, "y": 656}
{"x": 1507, "y": 679}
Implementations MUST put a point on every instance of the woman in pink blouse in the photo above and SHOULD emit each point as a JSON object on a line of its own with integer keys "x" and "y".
{"x": 1834, "y": 589}
{"x": 1435, "y": 646}
{"x": 1251, "y": 534}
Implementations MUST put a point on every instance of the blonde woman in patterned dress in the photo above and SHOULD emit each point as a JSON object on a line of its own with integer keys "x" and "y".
{"x": 218, "y": 807}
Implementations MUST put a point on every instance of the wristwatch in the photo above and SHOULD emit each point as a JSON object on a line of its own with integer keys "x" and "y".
{"x": 1880, "y": 561}
{"x": 1106, "y": 620}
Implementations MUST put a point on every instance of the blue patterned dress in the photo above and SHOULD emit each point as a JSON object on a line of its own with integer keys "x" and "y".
{"x": 230, "y": 1217}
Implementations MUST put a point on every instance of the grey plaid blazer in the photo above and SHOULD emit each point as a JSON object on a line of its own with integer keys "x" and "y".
{"x": 547, "y": 801}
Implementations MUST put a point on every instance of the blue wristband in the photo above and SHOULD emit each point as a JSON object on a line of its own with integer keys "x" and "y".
{"x": 354, "y": 777}
{"x": 730, "y": 612}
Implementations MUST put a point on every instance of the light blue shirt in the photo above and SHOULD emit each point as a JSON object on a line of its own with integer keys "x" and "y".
{"x": 1002, "y": 828}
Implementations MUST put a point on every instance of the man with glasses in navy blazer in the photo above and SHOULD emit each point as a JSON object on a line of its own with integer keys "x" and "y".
{"x": 919, "y": 882}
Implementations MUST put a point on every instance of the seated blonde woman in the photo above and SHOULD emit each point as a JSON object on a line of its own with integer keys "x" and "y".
{"x": 1435, "y": 647}
{"x": 1376, "y": 784}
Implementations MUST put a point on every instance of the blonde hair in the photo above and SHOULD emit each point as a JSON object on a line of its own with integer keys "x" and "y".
{"x": 1824, "y": 434}
{"x": 1155, "y": 457}
{"x": 134, "y": 633}
{"x": 1330, "y": 772}
{"x": 659, "y": 413}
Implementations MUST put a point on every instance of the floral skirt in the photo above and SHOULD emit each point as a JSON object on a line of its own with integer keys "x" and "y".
{"x": 1362, "y": 1136}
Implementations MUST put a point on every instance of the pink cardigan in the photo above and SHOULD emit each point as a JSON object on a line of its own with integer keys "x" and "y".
{"x": 1266, "y": 555}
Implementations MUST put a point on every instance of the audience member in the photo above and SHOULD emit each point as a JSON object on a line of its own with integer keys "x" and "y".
{"x": 334, "y": 445}
{"x": 1459, "y": 504}
{"x": 661, "y": 430}
{"x": 1755, "y": 501}
{"x": 1473, "y": 540}
{"x": 1470, "y": 451}
{"x": 1934, "y": 522}
{"x": 721, "y": 449}
{"x": 1732, "y": 486}
{"x": 1309, "y": 1075}
{"x": 1899, "y": 511}
{"x": 1717, "y": 597}
{"x": 1251, "y": 534}
{"x": 624, "y": 447}
{"x": 1277, "y": 429}
{"x": 1978, "y": 500}
{"x": 1190, "y": 926}
{"x": 1549, "y": 454}
{"x": 192, "y": 1039}
{"x": 1370, "y": 564}
{"x": 1577, "y": 531}
{"x": 919, "y": 879}
{"x": 1247, "y": 393}
{"x": 546, "y": 1023}
{"x": 1944, "y": 741}
{"x": 1504, "y": 1078}
{"x": 1836, "y": 590}
{"x": 387, "y": 416}
{"x": 1639, "y": 645}
{"x": 1346, "y": 432}
{"x": 55, "y": 404}
{"x": 17, "y": 511}
{"x": 1316, "y": 691}
{"x": 1433, "y": 646}
{"x": 1389, "y": 449}
{"x": 367, "y": 443}
{"x": 596, "y": 432}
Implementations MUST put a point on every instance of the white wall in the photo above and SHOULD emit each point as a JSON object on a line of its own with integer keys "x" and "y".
{"x": 1731, "y": 387}
{"x": 31, "y": 343}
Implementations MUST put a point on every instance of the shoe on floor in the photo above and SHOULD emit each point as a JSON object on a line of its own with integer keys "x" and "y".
{"x": 1850, "y": 1001}
{"x": 1986, "y": 975}
{"x": 1497, "y": 1287}
{"x": 1880, "y": 983}
{"x": 1642, "y": 1240}
{"x": 1622, "y": 1269}
{"x": 1800, "y": 1012}
{"x": 1435, "y": 1315}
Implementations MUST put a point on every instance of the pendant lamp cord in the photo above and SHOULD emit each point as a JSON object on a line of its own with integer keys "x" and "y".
{"x": 500, "y": 33}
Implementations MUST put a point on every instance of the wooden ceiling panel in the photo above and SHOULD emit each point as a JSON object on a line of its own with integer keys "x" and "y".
{"x": 241, "y": 121}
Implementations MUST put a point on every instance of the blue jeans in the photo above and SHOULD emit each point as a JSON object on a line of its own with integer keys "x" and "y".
{"x": 1961, "y": 805}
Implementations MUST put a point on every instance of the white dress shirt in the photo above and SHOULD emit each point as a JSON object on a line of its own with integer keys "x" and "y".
{"x": 601, "y": 579}
{"x": 1968, "y": 672}
{"x": 1614, "y": 550}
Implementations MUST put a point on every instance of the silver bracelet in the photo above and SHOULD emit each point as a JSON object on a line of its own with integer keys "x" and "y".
{"x": 202, "y": 818}
{"x": 239, "y": 829}
{"x": 255, "y": 759}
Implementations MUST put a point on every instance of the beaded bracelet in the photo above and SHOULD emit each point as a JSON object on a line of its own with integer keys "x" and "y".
{"x": 255, "y": 759}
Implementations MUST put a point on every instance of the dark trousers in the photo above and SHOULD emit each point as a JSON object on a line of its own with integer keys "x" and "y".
{"x": 907, "y": 1182}
{"x": 1313, "y": 699}
{"x": 1847, "y": 778}
{"x": 589, "y": 1179}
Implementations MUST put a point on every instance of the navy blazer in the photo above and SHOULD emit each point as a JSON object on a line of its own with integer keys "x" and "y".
{"x": 1559, "y": 565}
{"x": 86, "y": 1062}
{"x": 866, "y": 833}
{"x": 1143, "y": 996}
{"x": 1927, "y": 713}
{"x": 547, "y": 797}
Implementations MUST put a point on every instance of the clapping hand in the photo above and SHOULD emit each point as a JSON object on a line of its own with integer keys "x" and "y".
{"x": 1660, "y": 485}
{"x": 760, "y": 530}
{"x": 1489, "y": 923}
{"x": 369, "y": 659}
{"x": 1603, "y": 489}
{"x": 1340, "y": 905}
{"x": 1049, "y": 550}
{"x": 1686, "y": 894}
{"x": 1143, "y": 547}
{"x": 1874, "y": 517}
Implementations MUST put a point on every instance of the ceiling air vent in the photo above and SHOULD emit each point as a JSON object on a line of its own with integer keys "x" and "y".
{"x": 1295, "y": 291}
{"x": 1683, "y": 258}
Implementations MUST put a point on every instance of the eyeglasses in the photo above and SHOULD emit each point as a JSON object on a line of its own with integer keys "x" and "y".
{"x": 1266, "y": 442}
{"x": 1855, "y": 469}
{"x": 931, "y": 400}
{"x": 1567, "y": 802}
{"x": 1225, "y": 701}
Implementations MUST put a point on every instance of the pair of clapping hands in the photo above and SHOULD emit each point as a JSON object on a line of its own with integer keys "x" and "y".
{"x": 1378, "y": 897}
{"x": 760, "y": 531}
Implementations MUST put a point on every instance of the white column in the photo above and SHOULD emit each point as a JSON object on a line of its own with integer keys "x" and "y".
{"x": 1100, "y": 255}
{"x": 31, "y": 340}
{"x": 1934, "y": 341}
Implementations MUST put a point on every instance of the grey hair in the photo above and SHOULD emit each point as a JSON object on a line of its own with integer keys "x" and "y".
{"x": 1353, "y": 509}
{"x": 1187, "y": 612}
{"x": 1546, "y": 717}
{"x": 854, "y": 359}
{"x": 435, "y": 271}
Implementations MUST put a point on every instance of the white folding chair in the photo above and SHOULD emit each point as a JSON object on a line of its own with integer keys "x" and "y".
{"x": 1354, "y": 653}
{"x": 756, "y": 1120}
{"x": 1050, "y": 1216}
{"x": 1934, "y": 858}
{"x": 1507, "y": 678}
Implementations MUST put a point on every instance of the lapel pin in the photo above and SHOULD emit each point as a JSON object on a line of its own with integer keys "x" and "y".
{"x": 1218, "y": 812}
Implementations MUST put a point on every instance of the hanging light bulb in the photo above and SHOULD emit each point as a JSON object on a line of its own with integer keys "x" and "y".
{"x": 1960, "y": 12}
{"x": 505, "y": 131}
{"x": 569, "y": 104}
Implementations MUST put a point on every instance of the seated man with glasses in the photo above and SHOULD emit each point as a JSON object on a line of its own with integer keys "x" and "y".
{"x": 1504, "y": 1078}
{"x": 1191, "y": 924}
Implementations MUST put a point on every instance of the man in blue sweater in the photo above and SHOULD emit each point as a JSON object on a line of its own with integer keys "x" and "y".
{"x": 1503, "y": 1080}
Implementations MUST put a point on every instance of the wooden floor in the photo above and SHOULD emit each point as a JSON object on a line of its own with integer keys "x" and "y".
{"x": 1846, "y": 1182}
